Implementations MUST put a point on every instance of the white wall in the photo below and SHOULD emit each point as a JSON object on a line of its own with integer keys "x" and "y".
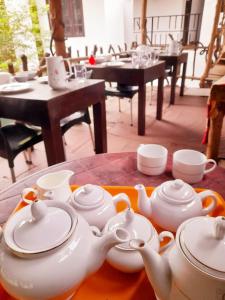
{"x": 94, "y": 23}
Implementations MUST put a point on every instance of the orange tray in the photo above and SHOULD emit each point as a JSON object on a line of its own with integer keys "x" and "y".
{"x": 108, "y": 283}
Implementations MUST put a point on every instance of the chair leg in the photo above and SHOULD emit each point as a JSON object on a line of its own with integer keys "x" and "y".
{"x": 13, "y": 175}
{"x": 27, "y": 156}
{"x": 64, "y": 140}
{"x": 92, "y": 137}
{"x": 131, "y": 112}
{"x": 150, "y": 102}
{"x": 119, "y": 104}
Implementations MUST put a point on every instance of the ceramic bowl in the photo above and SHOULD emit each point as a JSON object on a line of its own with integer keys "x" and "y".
{"x": 22, "y": 76}
{"x": 150, "y": 170}
{"x": 152, "y": 155}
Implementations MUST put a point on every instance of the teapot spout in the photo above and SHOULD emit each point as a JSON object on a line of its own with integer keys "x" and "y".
{"x": 105, "y": 242}
{"x": 144, "y": 205}
{"x": 157, "y": 268}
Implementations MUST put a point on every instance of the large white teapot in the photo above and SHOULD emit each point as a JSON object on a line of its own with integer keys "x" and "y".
{"x": 96, "y": 204}
{"x": 173, "y": 202}
{"x": 194, "y": 267}
{"x": 46, "y": 250}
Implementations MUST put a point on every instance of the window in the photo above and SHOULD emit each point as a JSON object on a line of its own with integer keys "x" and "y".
{"x": 72, "y": 11}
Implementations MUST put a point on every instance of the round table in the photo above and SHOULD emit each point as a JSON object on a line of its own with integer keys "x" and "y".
{"x": 104, "y": 169}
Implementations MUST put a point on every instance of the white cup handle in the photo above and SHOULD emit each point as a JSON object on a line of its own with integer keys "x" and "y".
{"x": 212, "y": 168}
{"x": 121, "y": 197}
{"x": 212, "y": 205}
{"x": 164, "y": 234}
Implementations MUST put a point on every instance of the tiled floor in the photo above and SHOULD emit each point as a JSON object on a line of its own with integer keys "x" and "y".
{"x": 182, "y": 127}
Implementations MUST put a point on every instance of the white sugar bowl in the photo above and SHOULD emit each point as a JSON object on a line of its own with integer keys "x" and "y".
{"x": 173, "y": 202}
{"x": 123, "y": 257}
{"x": 96, "y": 204}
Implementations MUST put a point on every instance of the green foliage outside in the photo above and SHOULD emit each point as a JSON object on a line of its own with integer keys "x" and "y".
{"x": 14, "y": 22}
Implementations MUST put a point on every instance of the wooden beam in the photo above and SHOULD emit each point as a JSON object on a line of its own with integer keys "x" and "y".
{"x": 211, "y": 44}
{"x": 143, "y": 22}
{"x": 57, "y": 27}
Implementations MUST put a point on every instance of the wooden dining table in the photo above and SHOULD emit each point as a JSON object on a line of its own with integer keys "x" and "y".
{"x": 129, "y": 75}
{"x": 115, "y": 169}
{"x": 42, "y": 106}
{"x": 116, "y": 172}
{"x": 173, "y": 62}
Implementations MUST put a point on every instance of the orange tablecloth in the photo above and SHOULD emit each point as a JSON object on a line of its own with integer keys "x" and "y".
{"x": 110, "y": 284}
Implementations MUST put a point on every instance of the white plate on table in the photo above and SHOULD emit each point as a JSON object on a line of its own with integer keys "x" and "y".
{"x": 43, "y": 79}
{"x": 14, "y": 87}
{"x": 114, "y": 64}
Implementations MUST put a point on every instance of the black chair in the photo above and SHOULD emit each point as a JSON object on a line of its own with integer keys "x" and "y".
{"x": 123, "y": 91}
{"x": 77, "y": 118}
{"x": 19, "y": 137}
{"x": 16, "y": 138}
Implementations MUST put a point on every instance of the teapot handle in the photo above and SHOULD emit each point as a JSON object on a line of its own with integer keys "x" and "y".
{"x": 212, "y": 205}
{"x": 163, "y": 235}
{"x": 121, "y": 197}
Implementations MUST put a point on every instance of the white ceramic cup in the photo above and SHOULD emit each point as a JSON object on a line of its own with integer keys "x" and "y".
{"x": 151, "y": 159}
{"x": 191, "y": 165}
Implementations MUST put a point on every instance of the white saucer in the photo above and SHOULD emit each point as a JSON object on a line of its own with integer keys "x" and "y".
{"x": 114, "y": 64}
{"x": 14, "y": 87}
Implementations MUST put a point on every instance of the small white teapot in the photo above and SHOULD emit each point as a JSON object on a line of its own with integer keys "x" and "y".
{"x": 173, "y": 202}
{"x": 95, "y": 204}
{"x": 193, "y": 267}
{"x": 123, "y": 257}
{"x": 47, "y": 250}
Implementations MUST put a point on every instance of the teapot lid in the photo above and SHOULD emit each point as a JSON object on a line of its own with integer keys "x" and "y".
{"x": 176, "y": 191}
{"x": 88, "y": 196}
{"x": 203, "y": 241}
{"x": 39, "y": 227}
{"x": 137, "y": 225}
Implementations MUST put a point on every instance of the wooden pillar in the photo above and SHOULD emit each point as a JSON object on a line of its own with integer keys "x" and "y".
{"x": 57, "y": 26}
{"x": 211, "y": 44}
{"x": 143, "y": 22}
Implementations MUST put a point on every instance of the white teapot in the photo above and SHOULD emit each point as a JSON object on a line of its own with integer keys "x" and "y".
{"x": 123, "y": 257}
{"x": 95, "y": 204}
{"x": 173, "y": 202}
{"x": 46, "y": 250}
{"x": 194, "y": 267}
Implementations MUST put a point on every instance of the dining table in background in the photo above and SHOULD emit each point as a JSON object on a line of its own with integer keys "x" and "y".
{"x": 108, "y": 169}
{"x": 128, "y": 75}
{"x": 174, "y": 61}
{"x": 42, "y": 106}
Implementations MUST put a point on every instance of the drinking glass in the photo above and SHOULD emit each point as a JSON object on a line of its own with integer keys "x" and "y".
{"x": 135, "y": 60}
{"x": 80, "y": 72}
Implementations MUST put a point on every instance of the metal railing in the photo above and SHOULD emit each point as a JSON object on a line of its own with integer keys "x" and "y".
{"x": 184, "y": 28}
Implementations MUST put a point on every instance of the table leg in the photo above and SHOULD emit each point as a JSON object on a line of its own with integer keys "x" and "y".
{"x": 173, "y": 84}
{"x": 215, "y": 128}
{"x": 99, "y": 114}
{"x": 183, "y": 79}
{"x": 159, "y": 98}
{"x": 141, "y": 109}
{"x": 52, "y": 137}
